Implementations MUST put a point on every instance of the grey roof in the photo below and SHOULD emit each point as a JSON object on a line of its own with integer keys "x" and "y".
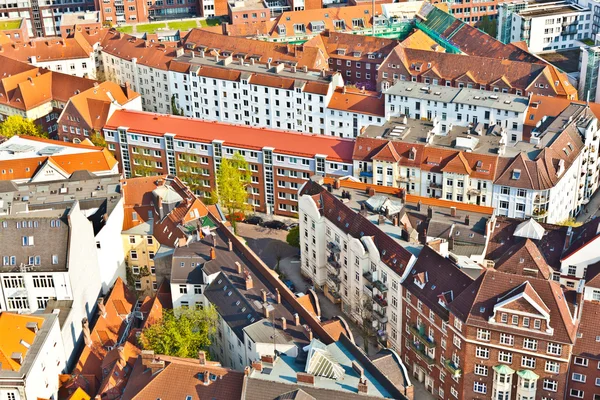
{"x": 297, "y": 394}
{"x": 48, "y": 240}
{"x": 82, "y": 175}
{"x": 62, "y": 308}
{"x": 262, "y": 332}
{"x": 390, "y": 365}
{"x": 8, "y": 186}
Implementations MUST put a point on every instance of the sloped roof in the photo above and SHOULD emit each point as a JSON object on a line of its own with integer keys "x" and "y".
{"x": 361, "y": 102}
{"x": 524, "y": 258}
{"x": 582, "y": 236}
{"x": 589, "y": 328}
{"x": 530, "y": 229}
{"x": 17, "y": 337}
{"x": 49, "y": 49}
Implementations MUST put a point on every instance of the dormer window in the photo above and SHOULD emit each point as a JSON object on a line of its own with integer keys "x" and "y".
{"x": 299, "y": 28}
{"x": 317, "y": 26}
{"x": 341, "y": 52}
{"x": 358, "y": 23}
{"x": 281, "y": 29}
{"x": 412, "y": 154}
{"x": 339, "y": 24}
{"x": 516, "y": 174}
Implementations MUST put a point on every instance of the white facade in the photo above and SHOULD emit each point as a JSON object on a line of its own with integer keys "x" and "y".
{"x": 82, "y": 67}
{"x": 350, "y": 267}
{"x": 44, "y": 362}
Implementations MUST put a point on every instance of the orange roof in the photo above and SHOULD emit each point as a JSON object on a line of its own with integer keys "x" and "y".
{"x": 49, "y": 49}
{"x": 361, "y": 102}
{"x": 335, "y": 328}
{"x": 299, "y": 144}
{"x": 127, "y": 47}
{"x": 422, "y": 41}
{"x": 16, "y": 338}
{"x": 306, "y": 302}
{"x": 79, "y": 394}
{"x": 93, "y": 104}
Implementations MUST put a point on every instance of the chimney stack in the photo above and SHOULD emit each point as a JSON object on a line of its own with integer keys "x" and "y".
{"x": 213, "y": 253}
{"x": 202, "y": 357}
{"x": 214, "y": 238}
{"x": 336, "y": 183}
{"x": 467, "y": 219}
{"x": 87, "y": 338}
{"x": 419, "y": 205}
{"x": 238, "y": 267}
{"x": 257, "y": 365}
{"x": 263, "y": 295}
{"x": 101, "y": 308}
{"x": 362, "y": 386}
{"x": 249, "y": 281}
{"x": 266, "y": 310}
{"x": 296, "y": 319}
{"x": 206, "y": 377}
{"x": 309, "y": 333}
{"x": 453, "y": 211}
{"x": 277, "y": 296}
{"x": 283, "y": 323}
{"x": 230, "y": 245}
{"x": 429, "y": 212}
{"x": 380, "y": 220}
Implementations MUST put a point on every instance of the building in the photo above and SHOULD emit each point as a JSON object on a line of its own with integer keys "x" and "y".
{"x": 160, "y": 212}
{"x": 464, "y": 12}
{"x": 544, "y": 26}
{"x": 37, "y": 93}
{"x": 153, "y": 376}
{"x": 44, "y": 19}
{"x": 248, "y": 12}
{"x": 318, "y": 374}
{"x": 86, "y": 113}
{"x": 279, "y": 161}
{"x": 588, "y": 73}
{"x": 13, "y": 30}
{"x": 69, "y": 23}
{"x": 32, "y": 356}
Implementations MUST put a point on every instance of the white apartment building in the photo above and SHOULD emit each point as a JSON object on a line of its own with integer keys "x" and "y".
{"x": 50, "y": 255}
{"x": 83, "y": 67}
{"x": 545, "y": 26}
{"x": 457, "y": 106}
{"x": 353, "y": 261}
{"x": 35, "y": 346}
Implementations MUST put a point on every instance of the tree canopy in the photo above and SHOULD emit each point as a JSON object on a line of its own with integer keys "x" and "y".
{"x": 233, "y": 179}
{"x": 181, "y": 332}
{"x": 97, "y": 139}
{"x": 293, "y": 237}
{"x": 17, "y": 125}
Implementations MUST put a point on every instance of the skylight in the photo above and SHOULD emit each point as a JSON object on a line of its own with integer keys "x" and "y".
{"x": 516, "y": 174}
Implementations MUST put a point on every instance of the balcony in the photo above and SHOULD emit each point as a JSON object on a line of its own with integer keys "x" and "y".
{"x": 419, "y": 332}
{"x": 380, "y": 286}
{"x": 333, "y": 262}
{"x": 380, "y": 300}
{"x": 366, "y": 173}
{"x": 333, "y": 247}
{"x": 405, "y": 178}
{"x": 452, "y": 368}
{"x": 381, "y": 317}
{"x": 435, "y": 185}
{"x": 334, "y": 278}
{"x": 474, "y": 192}
{"x": 421, "y": 352}
{"x": 369, "y": 277}
{"x": 382, "y": 336}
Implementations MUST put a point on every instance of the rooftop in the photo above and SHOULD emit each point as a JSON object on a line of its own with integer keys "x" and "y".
{"x": 247, "y": 5}
{"x": 20, "y": 333}
{"x": 81, "y": 17}
{"x": 547, "y": 9}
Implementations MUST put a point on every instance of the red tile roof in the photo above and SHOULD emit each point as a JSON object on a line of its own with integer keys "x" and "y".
{"x": 49, "y": 49}
{"x": 150, "y": 54}
{"x": 587, "y": 344}
{"x": 246, "y": 137}
{"x": 358, "y": 101}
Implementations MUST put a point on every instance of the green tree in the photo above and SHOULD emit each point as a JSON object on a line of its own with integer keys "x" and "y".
{"x": 17, "y": 125}
{"x": 293, "y": 237}
{"x": 174, "y": 109}
{"x": 181, "y": 332}
{"x": 365, "y": 312}
{"x": 97, "y": 139}
{"x": 143, "y": 165}
{"x": 488, "y": 25}
{"x": 189, "y": 172}
{"x": 233, "y": 179}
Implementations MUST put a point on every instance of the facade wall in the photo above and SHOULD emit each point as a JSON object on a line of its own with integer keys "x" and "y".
{"x": 139, "y": 260}
{"x": 111, "y": 256}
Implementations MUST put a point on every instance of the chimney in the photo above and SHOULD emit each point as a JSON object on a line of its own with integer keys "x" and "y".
{"x": 362, "y": 386}
{"x": 263, "y": 295}
{"x": 268, "y": 65}
{"x": 303, "y": 377}
{"x": 238, "y": 267}
{"x": 201, "y": 53}
{"x": 309, "y": 333}
{"x": 121, "y": 352}
{"x": 395, "y": 219}
{"x": 371, "y": 191}
{"x": 296, "y": 319}
{"x": 451, "y": 243}
{"x": 202, "y": 357}
{"x": 419, "y": 205}
{"x": 249, "y": 281}
{"x": 277, "y": 296}
{"x": 101, "y": 308}
{"x": 429, "y": 212}
{"x": 147, "y": 357}
{"x": 453, "y": 211}
{"x": 336, "y": 183}
{"x": 305, "y": 68}
{"x": 213, "y": 253}
{"x": 156, "y": 365}
{"x": 214, "y": 238}
{"x": 380, "y": 220}
{"x": 283, "y": 323}
{"x": 267, "y": 358}
{"x": 247, "y": 371}
{"x": 323, "y": 73}
{"x": 87, "y": 338}
{"x": 257, "y": 365}
{"x": 267, "y": 310}
{"x": 230, "y": 246}
{"x": 293, "y": 68}
{"x": 206, "y": 376}
{"x": 467, "y": 219}
{"x": 344, "y": 89}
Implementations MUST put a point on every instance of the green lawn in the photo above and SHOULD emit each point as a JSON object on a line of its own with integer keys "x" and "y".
{"x": 14, "y": 24}
{"x": 183, "y": 25}
{"x": 210, "y": 22}
{"x": 588, "y": 41}
{"x": 125, "y": 29}
{"x": 150, "y": 28}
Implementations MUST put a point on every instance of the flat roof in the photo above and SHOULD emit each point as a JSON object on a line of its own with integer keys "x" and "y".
{"x": 247, "y": 5}
{"x": 545, "y": 10}
{"x": 19, "y": 147}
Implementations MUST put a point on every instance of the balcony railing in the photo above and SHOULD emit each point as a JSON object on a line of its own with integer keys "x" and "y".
{"x": 380, "y": 300}
{"x": 421, "y": 352}
{"x": 380, "y": 286}
{"x": 333, "y": 247}
{"x": 369, "y": 277}
{"x": 333, "y": 262}
{"x": 419, "y": 332}
{"x": 452, "y": 368}
{"x": 435, "y": 185}
{"x": 334, "y": 278}
{"x": 381, "y": 317}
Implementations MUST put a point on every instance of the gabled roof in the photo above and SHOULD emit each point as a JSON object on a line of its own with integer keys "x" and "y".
{"x": 387, "y": 153}
{"x": 475, "y": 305}
{"x": 360, "y": 102}
{"x": 458, "y": 165}
{"x": 49, "y": 49}
{"x": 17, "y": 338}
{"x": 524, "y": 258}
{"x": 583, "y": 235}
{"x": 587, "y": 344}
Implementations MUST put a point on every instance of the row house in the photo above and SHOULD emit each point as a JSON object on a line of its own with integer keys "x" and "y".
{"x": 353, "y": 262}
{"x": 280, "y": 162}
{"x": 490, "y": 75}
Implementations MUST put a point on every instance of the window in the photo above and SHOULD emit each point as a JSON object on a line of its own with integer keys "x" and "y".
{"x": 550, "y": 385}
{"x": 579, "y": 377}
{"x": 515, "y": 320}
{"x": 582, "y": 361}
{"x": 554, "y": 348}
{"x": 507, "y": 339}
{"x": 552, "y": 366}
{"x": 133, "y": 254}
{"x": 504, "y": 318}
{"x": 530, "y": 344}
{"x": 505, "y": 357}
{"x": 483, "y": 334}
{"x": 577, "y": 393}
{"x": 528, "y": 362}
{"x": 43, "y": 281}
{"x": 481, "y": 370}
{"x": 482, "y": 352}
{"x": 456, "y": 341}
{"x": 182, "y": 289}
{"x": 479, "y": 387}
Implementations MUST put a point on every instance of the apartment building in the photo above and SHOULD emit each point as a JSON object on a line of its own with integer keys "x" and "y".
{"x": 191, "y": 149}
{"x": 550, "y": 25}
{"x": 43, "y": 18}
{"x": 70, "y": 23}
{"x": 33, "y": 356}
{"x": 588, "y": 73}
{"x": 470, "y": 14}
{"x": 160, "y": 212}
{"x": 36, "y": 93}
{"x": 86, "y": 113}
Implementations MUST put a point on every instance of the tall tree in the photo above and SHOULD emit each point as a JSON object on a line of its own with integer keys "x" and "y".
{"x": 365, "y": 312}
{"x": 181, "y": 332}
{"x": 293, "y": 237}
{"x": 233, "y": 179}
{"x": 17, "y": 125}
{"x": 97, "y": 139}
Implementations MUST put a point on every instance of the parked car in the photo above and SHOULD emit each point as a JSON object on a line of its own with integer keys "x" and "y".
{"x": 274, "y": 224}
{"x": 292, "y": 226}
{"x": 254, "y": 220}
{"x": 290, "y": 285}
